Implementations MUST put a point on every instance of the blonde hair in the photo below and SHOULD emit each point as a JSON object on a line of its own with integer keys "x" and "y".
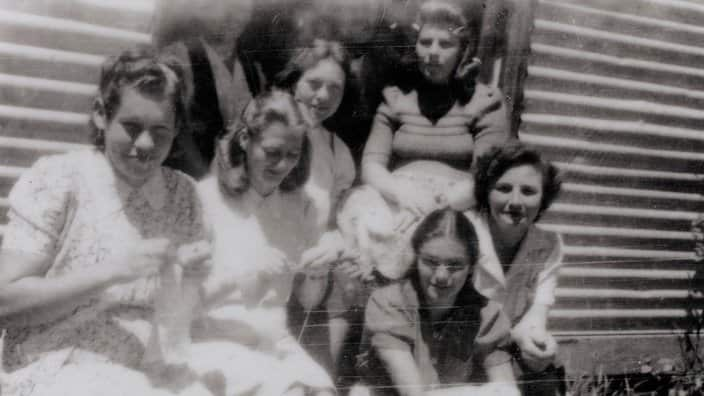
{"x": 231, "y": 158}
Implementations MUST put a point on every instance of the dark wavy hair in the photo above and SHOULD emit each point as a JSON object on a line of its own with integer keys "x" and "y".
{"x": 268, "y": 107}
{"x": 447, "y": 223}
{"x": 308, "y": 57}
{"x": 149, "y": 73}
{"x": 492, "y": 165}
{"x": 462, "y": 18}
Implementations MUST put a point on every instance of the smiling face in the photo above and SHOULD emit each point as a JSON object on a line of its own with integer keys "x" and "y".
{"x": 438, "y": 51}
{"x": 443, "y": 268}
{"x": 321, "y": 88}
{"x": 514, "y": 201}
{"x": 139, "y": 136}
{"x": 271, "y": 155}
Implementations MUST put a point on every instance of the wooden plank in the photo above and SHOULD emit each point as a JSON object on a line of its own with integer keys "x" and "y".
{"x": 27, "y": 113}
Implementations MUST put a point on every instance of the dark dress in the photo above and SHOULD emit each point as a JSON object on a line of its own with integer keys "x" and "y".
{"x": 473, "y": 336}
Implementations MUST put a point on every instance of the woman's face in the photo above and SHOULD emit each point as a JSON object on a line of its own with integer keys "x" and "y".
{"x": 515, "y": 199}
{"x": 139, "y": 136}
{"x": 438, "y": 52}
{"x": 271, "y": 155}
{"x": 443, "y": 267}
{"x": 321, "y": 88}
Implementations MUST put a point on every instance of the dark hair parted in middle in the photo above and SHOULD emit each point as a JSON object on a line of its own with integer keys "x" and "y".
{"x": 492, "y": 165}
{"x": 447, "y": 223}
{"x": 267, "y": 108}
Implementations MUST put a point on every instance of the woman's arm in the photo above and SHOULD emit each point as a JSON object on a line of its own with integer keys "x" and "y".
{"x": 403, "y": 371}
{"x": 24, "y": 287}
{"x": 377, "y": 153}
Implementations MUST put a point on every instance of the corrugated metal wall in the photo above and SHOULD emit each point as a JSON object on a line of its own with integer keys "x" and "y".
{"x": 50, "y": 53}
{"x": 614, "y": 94}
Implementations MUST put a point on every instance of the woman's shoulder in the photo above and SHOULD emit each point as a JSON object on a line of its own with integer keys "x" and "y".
{"x": 399, "y": 295}
{"x": 546, "y": 239}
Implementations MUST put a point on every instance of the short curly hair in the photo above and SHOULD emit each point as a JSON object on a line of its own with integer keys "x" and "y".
{"x": 144, "y": 69}
{"x": 270, "y": 106}
{"x": 493, "y": 164}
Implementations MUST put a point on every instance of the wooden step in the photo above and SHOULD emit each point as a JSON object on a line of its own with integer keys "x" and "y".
{"x": 587, "y": 84}
{"x": 8, "y": 177}
{"x": 615, "y": 44}
{"x": 588, "y": 16}
{"x": 550, "y": 102}
{"x": 606, "y": 154}
{"x": 627, "y": 177}
{"x": 617, "y": 66}
{"x": 579, "y": 298}
{"x": 66, "y": 35}
{"x": 134, "y": 15}
{"x": 46, "y": 94}
{"x": 617, "y": 132}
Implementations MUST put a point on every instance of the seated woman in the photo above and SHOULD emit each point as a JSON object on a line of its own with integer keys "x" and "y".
{"x": 514, "y": 186}
{"x": 431, "y": 332}
{"x": 428, "y": 130}
{"x": 318, "y": 78}
{"x": 263, "y": 223}
{"x": 90, "y": 233}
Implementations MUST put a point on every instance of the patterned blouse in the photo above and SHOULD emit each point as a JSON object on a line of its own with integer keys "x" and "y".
{"x": 73, "y": 209}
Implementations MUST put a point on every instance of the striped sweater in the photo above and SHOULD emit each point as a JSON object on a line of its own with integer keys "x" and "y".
{"x": 402, "y": 134}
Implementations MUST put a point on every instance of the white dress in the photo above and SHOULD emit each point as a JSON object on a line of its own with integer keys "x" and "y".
{"x": 243, "y": 309}
{"x": 73, "y": 209}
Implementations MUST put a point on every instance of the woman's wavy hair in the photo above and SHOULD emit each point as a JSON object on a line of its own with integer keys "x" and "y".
{"x": 446, "y": 223}
{"x": 231, "y": 158}
{"x": 143, "y": 69}
{"x": 308, "y": 57}
{"x": 462, "y": 18}
{"x": 492, "y": 165}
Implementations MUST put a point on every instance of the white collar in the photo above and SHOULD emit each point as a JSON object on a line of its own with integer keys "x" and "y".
{"x": 154, "y": 190}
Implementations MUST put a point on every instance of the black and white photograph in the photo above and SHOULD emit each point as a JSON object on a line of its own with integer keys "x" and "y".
{"x": 351, "y": 197}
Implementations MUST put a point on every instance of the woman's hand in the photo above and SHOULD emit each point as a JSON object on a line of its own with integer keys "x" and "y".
{"x": 538, "y": 347}
{"x": 329, "y": 250}
{"x": 412, "y": 199}
{"x": 144, "y": 259}
{"x": 274, "y": 262}
{"x": 458, "y": 196}
{"x": 195, "y": 259}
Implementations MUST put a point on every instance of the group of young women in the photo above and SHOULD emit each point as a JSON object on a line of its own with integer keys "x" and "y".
{"x": 122, "y": 276}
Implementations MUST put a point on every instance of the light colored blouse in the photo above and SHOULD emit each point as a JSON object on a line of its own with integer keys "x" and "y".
{"x": 532, "y": 276}
{"x": 246, "y": 231}
{"x": 332, "y": 172}
{"x": 74, "y": 209}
